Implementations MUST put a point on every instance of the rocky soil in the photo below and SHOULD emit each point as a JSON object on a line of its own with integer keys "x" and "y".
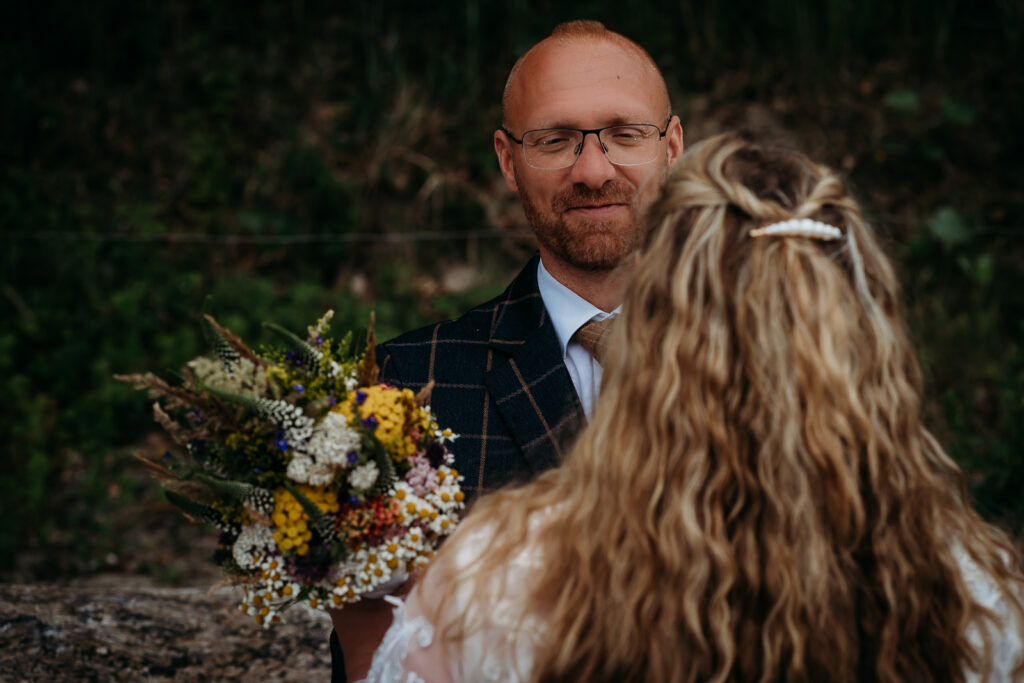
{"x": 76, "y": 632}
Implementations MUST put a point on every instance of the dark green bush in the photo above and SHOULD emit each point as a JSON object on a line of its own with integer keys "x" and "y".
{"x": 287, "y": 158}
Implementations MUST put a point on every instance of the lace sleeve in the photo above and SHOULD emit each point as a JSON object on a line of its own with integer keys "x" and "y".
{"x": 408, "y": 653}
{"x": 501, "y": 639}
{"x": 1006, "y": 634}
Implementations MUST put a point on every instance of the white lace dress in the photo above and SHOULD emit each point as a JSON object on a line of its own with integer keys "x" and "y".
{"x": 1007, "y": 637}
{"x": 501, "y": 644}
{"x": 502, "y": 649}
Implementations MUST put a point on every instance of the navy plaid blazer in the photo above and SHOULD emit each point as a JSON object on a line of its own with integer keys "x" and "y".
{"x": 500, "y": 383}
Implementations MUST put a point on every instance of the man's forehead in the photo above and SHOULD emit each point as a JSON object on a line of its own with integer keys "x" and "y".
{"x": 600, "y": 118}
{"x": 582, "y": 57}
{"x": 618, "y": 80}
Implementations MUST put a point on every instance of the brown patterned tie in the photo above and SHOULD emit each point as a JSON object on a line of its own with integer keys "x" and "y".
{"x": 591, "y": 336}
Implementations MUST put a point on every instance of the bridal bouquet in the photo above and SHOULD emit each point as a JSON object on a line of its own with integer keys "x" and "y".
{"x": 325, "y": 484}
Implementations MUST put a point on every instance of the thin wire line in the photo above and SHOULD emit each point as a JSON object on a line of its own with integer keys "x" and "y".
{"x": 424, "y": 236}
{"x": 346, "y": 238}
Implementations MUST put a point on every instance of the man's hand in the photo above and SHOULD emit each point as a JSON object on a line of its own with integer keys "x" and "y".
{"x": 360, "y": 627}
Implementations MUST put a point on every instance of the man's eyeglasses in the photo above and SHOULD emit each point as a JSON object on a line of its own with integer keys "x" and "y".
{"x": 624, "y": 144}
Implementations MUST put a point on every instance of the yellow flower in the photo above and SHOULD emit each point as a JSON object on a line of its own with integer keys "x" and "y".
{"x": 274, "y": 372}
{"x": 292, "y": 530}
{"x": 395, "y": 413}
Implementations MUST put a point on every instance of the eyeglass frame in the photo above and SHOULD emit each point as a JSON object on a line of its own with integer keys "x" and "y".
{"x": 583, "y": 141}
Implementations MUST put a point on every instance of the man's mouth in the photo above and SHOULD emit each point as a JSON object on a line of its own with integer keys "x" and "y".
{"x": 597, "y": 208}
{"x": 582, "y": 201}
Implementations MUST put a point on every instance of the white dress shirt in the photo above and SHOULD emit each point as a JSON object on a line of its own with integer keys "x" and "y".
{"x": 569, "y": 311}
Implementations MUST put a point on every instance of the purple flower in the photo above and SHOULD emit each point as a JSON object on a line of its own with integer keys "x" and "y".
{"x": 167, "y": 455}
{"x": 435, "y": 454}
{"x": 308, "y": 568}
{"x": 353, "y": 500}
{"x": 422, "y": 477}
{"x": 333, "y": 400}
{"x": 299, "y": 388}
{"x": 370, "y": 422}
{"x": 360, "y": 397}
{"x": 282, "y": 444}
{"x": 319, "y": 340}
{"x": 353, "y": 457}
{"x": 256, "y": 470}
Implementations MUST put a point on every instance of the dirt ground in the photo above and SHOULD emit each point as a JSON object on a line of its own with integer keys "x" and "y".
{"x": 117, "y": 632}
{"x": 145, "y": 612}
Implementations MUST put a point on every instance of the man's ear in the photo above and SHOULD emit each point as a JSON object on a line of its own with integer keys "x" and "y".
{"x": 503, "y": 149}
{"x": 674, "y": 138}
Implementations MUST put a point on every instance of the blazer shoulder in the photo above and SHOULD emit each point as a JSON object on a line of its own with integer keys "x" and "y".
{"x": 474, "y": 324}
{"x": 459, "y": 346}
{"x": 478, "y": 323}
{"x": 406, "y": 357}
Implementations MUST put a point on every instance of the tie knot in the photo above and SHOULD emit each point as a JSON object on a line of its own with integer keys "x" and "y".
{"x": 591, "y": 336}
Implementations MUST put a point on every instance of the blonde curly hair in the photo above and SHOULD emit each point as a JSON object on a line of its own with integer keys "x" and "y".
{"x": 756, "y": 497}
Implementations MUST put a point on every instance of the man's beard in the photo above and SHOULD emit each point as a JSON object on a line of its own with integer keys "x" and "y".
{"x": 590, "y": 245}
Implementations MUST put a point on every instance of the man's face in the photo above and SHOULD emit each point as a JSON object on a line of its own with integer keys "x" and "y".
{"x": 587, "y": 216}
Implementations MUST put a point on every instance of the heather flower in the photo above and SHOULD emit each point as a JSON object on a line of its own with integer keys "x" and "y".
{"x": 245, "y": 378}
{"x": 325, "y": 453}
{"x": 364, "y": 476}
{"x": 422, "y": 477}
{"x": 253, "y": 542}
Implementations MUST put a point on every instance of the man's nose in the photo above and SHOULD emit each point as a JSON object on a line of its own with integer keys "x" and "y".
{"x": 592, "y": 167}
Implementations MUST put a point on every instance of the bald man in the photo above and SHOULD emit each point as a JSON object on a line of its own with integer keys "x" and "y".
{"x": 587, "y": 136}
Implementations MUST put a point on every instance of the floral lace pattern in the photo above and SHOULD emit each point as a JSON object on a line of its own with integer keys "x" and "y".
{"x": 389, "y": 659}
{"x": 1006, "y": 637}
{"x": 500, "y": 650}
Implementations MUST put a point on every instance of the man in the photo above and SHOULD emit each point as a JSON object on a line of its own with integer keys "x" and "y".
{"x": 587, "y": 137}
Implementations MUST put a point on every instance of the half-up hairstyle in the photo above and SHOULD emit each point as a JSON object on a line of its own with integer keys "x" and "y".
{"x": 756, "y": 498}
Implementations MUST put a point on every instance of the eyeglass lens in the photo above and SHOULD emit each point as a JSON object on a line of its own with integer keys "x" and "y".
{"x": 627, "y": 145}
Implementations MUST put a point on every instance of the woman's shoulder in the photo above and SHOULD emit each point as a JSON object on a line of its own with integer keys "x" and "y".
{"x": 1006, "y": 631}
{"x": 472, "y": 542}
{"x": 498, "y": 638}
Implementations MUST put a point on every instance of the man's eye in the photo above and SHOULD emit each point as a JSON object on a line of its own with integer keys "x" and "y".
{"x": 554, "y": 141}
{"x": 625, "y": 135}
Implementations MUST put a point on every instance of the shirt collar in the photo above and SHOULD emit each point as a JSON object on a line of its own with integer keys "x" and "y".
{"x": 568, "y": 310}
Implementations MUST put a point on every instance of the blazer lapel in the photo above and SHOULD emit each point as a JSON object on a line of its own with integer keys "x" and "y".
{"x": 528, "y": 381}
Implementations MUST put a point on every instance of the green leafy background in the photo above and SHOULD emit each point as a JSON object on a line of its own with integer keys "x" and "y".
{"x": 286, "y": 158}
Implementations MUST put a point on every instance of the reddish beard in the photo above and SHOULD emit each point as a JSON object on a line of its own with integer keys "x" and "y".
{"x": 587, "y": 244}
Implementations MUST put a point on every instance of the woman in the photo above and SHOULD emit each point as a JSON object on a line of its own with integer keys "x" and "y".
{"x": 756, "y": 497}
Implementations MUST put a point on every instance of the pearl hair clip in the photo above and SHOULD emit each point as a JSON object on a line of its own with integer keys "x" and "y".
{"x": 799, "y": 227}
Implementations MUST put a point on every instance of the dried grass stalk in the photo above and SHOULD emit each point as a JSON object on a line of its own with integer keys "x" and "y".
{"x": 236, "y": 343}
